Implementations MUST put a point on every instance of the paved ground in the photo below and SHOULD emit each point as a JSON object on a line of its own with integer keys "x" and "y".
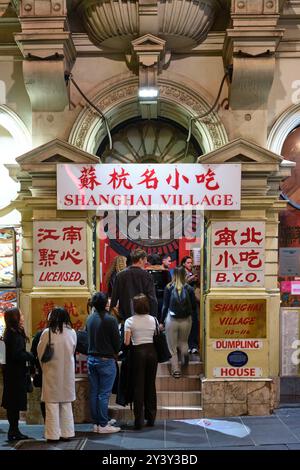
{"x": 280, "y": 431}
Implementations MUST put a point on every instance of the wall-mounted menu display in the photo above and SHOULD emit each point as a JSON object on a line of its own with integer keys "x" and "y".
{"x": 7, "y": 257}
{"x": 8, "y": 299}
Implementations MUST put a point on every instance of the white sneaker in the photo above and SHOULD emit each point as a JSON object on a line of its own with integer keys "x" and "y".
{"x": 95, "y": 428}
{"x": 194, "y": 351}
{"x": 108, "y": 429}
{"x": 112, "y": 421}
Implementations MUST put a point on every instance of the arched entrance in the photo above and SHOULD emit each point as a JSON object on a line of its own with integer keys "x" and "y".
{"x": 180, "y": 100}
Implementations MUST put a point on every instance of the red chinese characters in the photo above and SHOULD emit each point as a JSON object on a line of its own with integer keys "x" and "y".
{"x": 119, "y": 179}
{"x": 59, "y": 253}
{"x": 150, "y": 180}
{"x": 47, "y": 234}
{"x": 72, "y": 233}
{"x": 209, "y": 179}
{"x": 225, "y": 237}
{"x": 47, "y": 257}
{"x": 237, "y": 254}
{"x": 88, "y": 178}
{"x": 176, "y": 179}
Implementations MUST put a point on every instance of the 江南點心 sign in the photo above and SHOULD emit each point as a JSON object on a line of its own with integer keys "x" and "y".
{"x": 148, "y": 186}
{"x": 59, "y": 253}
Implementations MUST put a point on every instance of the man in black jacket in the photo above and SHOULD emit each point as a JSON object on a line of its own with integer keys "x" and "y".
{"x": 132, "y": 281}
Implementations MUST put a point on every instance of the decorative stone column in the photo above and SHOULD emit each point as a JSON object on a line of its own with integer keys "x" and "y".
{"x": 261, "y": 173}
{"x": 37, "y": 201}
{"x": 250, "y": 46}
{"x": 47, "y": 46}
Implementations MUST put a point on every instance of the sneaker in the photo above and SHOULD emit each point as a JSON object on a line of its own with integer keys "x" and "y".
{"x": 176, "y": 374}
{"x": 108, "y": 429}
{"x": 112, "y": 421}
{"x": 194, "y": 351}
{"x": 95, "y": 428}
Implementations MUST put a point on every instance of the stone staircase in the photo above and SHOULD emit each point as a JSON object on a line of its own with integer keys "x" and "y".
{"x": 176, "y": 398}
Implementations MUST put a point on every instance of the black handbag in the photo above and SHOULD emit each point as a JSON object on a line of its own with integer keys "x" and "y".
{"x": 161, "y": 345}
{"x": 29, "y": 386}
{"x": 49, "y": 350}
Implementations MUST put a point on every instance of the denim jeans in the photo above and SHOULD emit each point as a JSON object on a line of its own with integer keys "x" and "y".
{"x": 102, "y": 374}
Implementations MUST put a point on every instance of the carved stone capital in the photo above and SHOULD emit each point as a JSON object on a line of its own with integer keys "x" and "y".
{"x": 250, "y": 47}
{"x": 148, "y": 53}
{"x": 48, "y": 51}
{"x": 3, "y": 6}
{"x": 148, "y": 57}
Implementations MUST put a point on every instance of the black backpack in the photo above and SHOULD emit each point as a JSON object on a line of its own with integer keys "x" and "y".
{"x": 180, "y": 304}
{"x": 82, "y": 345}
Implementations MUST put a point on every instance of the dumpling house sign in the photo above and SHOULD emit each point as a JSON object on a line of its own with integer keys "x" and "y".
{"x": 145, "y": 186}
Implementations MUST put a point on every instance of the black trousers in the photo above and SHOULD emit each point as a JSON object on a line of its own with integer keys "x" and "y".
{"x": 13, "y": 417}
{"x": 144, "y": 373}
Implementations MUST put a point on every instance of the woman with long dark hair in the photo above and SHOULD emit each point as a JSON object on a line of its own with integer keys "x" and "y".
{"x": 58, "y": 387}
{"x": 14, "y": 397}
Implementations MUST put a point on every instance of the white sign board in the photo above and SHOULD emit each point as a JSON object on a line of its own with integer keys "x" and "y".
{"x": 148, "y": 186}
{"x": 238, "y": 254}
{"x": 59, "y": 253}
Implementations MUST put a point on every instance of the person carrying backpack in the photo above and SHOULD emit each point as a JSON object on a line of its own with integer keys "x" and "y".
{"x": 178, "y": 306}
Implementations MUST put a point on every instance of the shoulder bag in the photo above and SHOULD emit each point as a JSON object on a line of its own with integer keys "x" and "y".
{"x": 160, "y": 344}
{"x": 49, "y": 350}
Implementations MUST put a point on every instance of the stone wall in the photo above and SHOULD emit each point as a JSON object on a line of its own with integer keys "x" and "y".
{"x": 80, "y": 406}
{"x": 239, "y": 398}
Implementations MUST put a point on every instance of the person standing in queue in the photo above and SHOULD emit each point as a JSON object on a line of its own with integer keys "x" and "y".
{"x": 139, "y": 329}
{"x": 58, "y": 384}
{"x": 38, "y": 376}
{"x": 192, "y": 280}
{"x": 103, "y": 348}
{"x": 14, "y": 397}
{"x": 178, "y": 308}
{"x": 132, "y": 281}
{"x": 161, "y": 278}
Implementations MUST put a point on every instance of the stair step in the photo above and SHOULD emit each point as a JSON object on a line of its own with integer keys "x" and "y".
{"x": 163, "y": 412}
{"x": 194, "y": 368}
{"x": 188, "y": 383}
{"x": 178, "y": 398}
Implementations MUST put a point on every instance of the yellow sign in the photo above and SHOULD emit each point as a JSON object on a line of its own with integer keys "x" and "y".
{"x": 76, "y": 306}
{"x": 238, "y": 318}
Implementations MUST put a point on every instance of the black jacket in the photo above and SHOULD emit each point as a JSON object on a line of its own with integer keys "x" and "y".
{"x": 128, "y": 283}
{"x": 14, "y": 372}
{"x": 38, "y": 376}
{"x": 103, "y": 335}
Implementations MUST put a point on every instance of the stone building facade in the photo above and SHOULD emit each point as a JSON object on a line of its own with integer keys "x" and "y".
{"x": 183, "y": 49}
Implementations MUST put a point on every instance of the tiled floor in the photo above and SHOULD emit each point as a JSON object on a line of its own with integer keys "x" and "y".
{"x": 280, "y": 431}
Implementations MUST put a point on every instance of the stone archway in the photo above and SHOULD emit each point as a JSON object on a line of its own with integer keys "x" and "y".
{"x": 19, "y": 133}
{"x": 180, "y": 100}
{"x": 283, "y": 125}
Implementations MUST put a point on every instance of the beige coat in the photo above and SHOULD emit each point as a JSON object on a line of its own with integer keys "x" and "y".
{"x": 59, "y": 372}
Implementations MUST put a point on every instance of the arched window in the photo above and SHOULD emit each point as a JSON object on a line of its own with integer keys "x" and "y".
{"x": 149, "y": 141}
{"x": 289, "y": 227}
{"x": 15, "y": 140}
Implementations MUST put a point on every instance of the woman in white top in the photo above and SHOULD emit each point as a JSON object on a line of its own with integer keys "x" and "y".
{"x": 139, "y": 329}
{"x": 58, "y": 388}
